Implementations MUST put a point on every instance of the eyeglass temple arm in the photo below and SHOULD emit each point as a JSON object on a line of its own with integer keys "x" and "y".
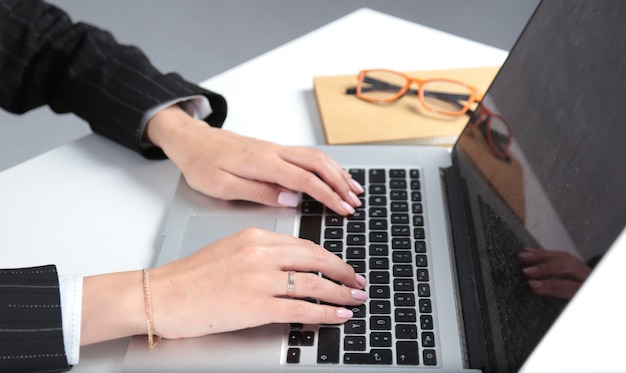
{"x": 379, "y": 85}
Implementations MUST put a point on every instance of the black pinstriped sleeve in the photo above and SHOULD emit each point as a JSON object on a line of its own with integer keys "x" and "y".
{"x": 31, "y": 330}
{"x": 45, "y": 59}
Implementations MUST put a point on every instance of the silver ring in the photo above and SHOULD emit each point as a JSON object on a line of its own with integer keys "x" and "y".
{"x": 291, "y": 279}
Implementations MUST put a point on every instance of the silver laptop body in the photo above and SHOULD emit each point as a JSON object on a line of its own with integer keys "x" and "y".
{"x": 195, "y": 220}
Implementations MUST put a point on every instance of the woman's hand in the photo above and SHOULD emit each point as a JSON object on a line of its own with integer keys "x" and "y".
{"x": 553, "y": 273}
{"x": 241, "y": 282}
{"x": 234, "y": 283}
{"x": 229, "y": 166}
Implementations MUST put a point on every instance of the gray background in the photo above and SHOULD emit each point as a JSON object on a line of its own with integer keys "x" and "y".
{"x": 202, "y": 38}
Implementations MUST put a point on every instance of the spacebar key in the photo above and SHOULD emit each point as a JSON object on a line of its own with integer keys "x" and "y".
{"x": 328, "y": 346}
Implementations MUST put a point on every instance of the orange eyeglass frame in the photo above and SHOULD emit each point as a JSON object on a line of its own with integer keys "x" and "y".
{"x": 484, "y": 118}
{"x": 474, "y": 93}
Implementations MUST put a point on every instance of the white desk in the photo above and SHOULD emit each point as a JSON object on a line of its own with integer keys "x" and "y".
{"x": 93, "y": 207}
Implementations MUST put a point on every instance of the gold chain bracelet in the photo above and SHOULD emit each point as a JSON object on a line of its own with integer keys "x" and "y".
{"x": 152, "y": 338}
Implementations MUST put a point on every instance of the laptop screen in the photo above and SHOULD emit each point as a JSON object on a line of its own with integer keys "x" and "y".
{"x": 543, "y": 165}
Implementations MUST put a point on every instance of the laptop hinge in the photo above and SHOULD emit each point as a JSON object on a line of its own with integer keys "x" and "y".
{"x": 467, "y": 280}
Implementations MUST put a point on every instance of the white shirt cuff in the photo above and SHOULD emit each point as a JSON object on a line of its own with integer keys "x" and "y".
{"x": 71, "y": 291}
{"x": 197, "y": 106}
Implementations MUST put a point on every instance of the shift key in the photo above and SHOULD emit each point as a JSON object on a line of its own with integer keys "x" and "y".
{"x": 328, "y": 346}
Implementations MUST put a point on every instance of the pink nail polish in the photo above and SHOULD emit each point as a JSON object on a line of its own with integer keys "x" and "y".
{"x": 530, "y": 270}
{"x": 361, "y": 280}
{"x": 346, "y": 206}
{"x": 288, "y": 199}
{"x": 344, "y": 313}
{"x": 358, "y": 186}
{"x": 355, "y": 200}
{"x": 359, "y": 294}
{"x": 526, "y": 255}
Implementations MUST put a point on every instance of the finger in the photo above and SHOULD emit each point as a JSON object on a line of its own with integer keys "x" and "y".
{"x": 324, "y": 166}
{"x": 313, "y": 172}
{"x": 232, "y": 187}
{"x": 309, "y": 257}
{"x": 309, "y": 285}
{"x": 564, "y": 289}
{"x": 301, "y": 311}
{"x": 532, "y": 256}
{"x": 328, "y": 170}
{"x": 273, "y": 187}
{"x": 283, "y": 246}
{"x": 553, "y": 263}
{"x": 295, "y": 178}
{"x": 562, "y": 266}
{"x": 284, "y": 252}
{"x": 296, "y": 168}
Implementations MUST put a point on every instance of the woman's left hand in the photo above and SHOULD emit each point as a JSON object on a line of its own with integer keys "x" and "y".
{"x": 225, "y": 165}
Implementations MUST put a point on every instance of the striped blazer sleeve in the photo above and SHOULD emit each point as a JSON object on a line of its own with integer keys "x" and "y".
{"x": 31, "y": 333}
{"x": 46, "y": 59}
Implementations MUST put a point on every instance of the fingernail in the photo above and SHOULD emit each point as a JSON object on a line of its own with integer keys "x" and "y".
{"x": 288, "y": 199}
{"x": 526, "y": 255}
{"x": 529, "y": 270}
{"x": 535, "y": 284}
{"x": 359, "y": 294}
{"x": 358, "y": 186}
{"x": 344, "y": 313}
{"x": 355, "y": 200}
{"x": 361, "y": 280}
{"x": 346, "y": 206}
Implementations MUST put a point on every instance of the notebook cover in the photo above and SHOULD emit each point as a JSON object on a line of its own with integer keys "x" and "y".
{"x": 348, "y": 120}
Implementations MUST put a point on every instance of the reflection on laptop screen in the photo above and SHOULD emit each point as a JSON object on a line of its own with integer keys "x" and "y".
{"x": 543, "y": 163}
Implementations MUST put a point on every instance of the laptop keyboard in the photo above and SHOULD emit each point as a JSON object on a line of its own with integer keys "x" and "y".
{"x": 384, "y": 241}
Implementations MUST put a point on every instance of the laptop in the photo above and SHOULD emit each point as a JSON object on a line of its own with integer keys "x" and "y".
{"x": 540, "y": 165}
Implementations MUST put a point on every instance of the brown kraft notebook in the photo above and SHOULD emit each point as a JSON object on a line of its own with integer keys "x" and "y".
{"x": 349, "y": 120}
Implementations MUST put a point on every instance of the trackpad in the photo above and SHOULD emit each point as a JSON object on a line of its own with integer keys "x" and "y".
{"x": 203, "y": 230}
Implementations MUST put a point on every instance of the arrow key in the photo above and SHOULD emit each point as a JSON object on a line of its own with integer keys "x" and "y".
{"x": 407, "y": 353}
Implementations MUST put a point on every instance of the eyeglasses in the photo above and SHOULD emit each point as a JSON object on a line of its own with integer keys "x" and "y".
{"x": 444, "y": 96}
{"x": 495, "y": 129}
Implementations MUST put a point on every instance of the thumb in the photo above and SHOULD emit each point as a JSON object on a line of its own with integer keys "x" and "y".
{"x": 264, "y": 193}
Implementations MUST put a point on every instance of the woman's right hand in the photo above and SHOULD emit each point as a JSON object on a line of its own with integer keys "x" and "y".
{"x": 235, "y": 283}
